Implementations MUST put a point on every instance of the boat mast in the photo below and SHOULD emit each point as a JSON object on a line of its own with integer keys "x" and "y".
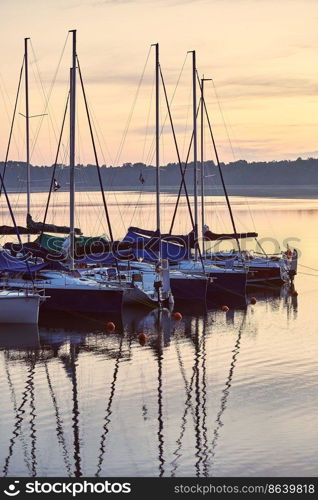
{"x": 202, "y": 162}
{"x": 27, "y": 126}
{"x": 195, "y": 154}
{"x": 157, "y": 70}
{"x": 72, "y": 146}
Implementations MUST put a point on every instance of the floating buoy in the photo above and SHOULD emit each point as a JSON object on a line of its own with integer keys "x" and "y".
{"x": 294, "y": 293}
{"x": 111, "y": 326}
{"x": 253, "y": 300}
{"x": 177, "y": 316}
{"x": 225, "y": 308}
{"x": 142, "y": 337}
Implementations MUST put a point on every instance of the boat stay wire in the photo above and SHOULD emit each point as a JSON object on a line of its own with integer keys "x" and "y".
{"x": 95, "y": 154}
{"x": 12, "y": 124}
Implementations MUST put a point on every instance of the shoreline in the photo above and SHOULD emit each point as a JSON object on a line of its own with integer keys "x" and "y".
{"x": 257, "y": 191}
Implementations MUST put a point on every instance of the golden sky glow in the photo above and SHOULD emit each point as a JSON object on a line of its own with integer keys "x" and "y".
{"x": 262, "y": 56}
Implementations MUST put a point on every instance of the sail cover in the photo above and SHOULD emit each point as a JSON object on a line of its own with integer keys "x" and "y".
{"x": 146, "y": 244}
{"x": 13, "y": 230}
{"x": 184, "y": 240}
{"x": 8, "y": 263}
{"x": 208, "y": 235}
{"x": 38, "y": 227}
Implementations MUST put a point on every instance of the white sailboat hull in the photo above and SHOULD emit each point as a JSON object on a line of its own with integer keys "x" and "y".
{"x": 19, "y": 308}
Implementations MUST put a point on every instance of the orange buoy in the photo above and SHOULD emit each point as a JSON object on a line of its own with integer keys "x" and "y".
{"x": 111, "y": 326}
{"x": 142, "y": 337}
{"x": 294, "y": 293}
{"x": 177, "y": 316}
{"x": 225, "y": 308}
{"x": 253, "y": 300}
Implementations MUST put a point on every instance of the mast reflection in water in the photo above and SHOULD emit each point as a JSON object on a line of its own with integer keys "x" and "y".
{"x": 79, "y": 401}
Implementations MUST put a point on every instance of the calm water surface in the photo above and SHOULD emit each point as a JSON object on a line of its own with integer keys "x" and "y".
{"x": 217, "y": 394}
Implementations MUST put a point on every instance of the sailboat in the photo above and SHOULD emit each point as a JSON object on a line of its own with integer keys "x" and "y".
{"x": 227, "y": 286}
{"x": 22, "y": 305}
{"x": 262, "y": 269}
{"x": 190, "y": 287}
{"x": 213, "y": 285}
{"x": 69, "y": 291}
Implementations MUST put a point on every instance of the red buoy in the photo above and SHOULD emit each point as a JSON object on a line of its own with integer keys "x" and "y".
{"x": 142, "y": 337}
{"x": 294, "y": 293}
{"x": 253, "y": 300}
{"x": 177, "y": 316}
{"x": 225, "y": 308}
{"x": 111, "y": 326}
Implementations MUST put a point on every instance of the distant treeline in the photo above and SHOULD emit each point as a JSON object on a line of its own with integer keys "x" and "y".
{"x": 132, "y": 176}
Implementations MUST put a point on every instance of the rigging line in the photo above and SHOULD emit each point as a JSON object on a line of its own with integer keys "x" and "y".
{"x": 220, "y": 171}
{"x": 123, "y": 139}
{"x": 141, "y": 190}
{"x": 230, "y": 142}
{"x": 182, "y": 180}
{"x": 54, "y": 169}
{"x": 176, "y": 146}
{"x": 152, "y": 151}
{"x": 223, "y": 119}
{"x": 308, "y": 274}
{"x": 96, "y": 126}
{"x": 307, "y": 267}
{"x": 59, "y": 422}
{"x": 47, "y": 98}
{"x": 5, "y": 97}
{"x": 12, "y": 124}
{"x": 108, "y": 413}
{"x": 99, "y": 132}
{"x": 39, "y": 82}
{"x": 148, "y": 120}
{"x": 95, "y": 155}
{"x": 187, "y": 121}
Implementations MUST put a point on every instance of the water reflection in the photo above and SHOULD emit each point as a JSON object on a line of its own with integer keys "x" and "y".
{"x": 178, "y": 419}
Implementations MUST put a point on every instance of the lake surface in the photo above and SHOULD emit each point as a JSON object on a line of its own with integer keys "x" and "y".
{"x": 216, "y": 394}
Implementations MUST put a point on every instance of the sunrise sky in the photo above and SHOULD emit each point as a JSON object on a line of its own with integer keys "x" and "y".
{"x": 262, "y": 56}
